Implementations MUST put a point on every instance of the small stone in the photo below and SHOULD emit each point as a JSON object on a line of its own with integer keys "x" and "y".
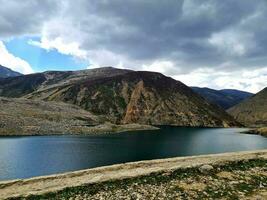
{"x": 233, "y": 182}
{"x": 205, "y": 169}
{"x": 167, "y": 173}
{"x": 258, "y": 198}
{"x": 226, "y": 175}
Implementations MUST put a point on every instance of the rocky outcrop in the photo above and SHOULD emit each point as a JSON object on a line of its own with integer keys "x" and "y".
{"x": 257, "y": 131}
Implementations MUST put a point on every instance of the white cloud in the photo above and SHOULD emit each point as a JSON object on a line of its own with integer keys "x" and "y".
{"x": 192, "y": 8}
{"x": 230, "y": 42}
{"x": 95, "y": 58}
{"x": 248, "y": 80}
{"x": 71, "y": 48}
{"x": 100, "y": 58}
{"x": 166, "y": 67}
{"x": 15, "y": 63}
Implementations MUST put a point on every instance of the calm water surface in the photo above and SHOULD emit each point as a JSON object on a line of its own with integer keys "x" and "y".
{"x": 23, "y": 157}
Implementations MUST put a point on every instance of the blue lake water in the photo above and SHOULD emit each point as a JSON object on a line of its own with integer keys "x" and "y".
{"x": 23, "y": 157}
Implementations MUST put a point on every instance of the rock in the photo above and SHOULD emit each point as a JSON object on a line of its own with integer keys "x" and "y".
{"x": 206, "y": 169}
{"x": 226, "y": 175}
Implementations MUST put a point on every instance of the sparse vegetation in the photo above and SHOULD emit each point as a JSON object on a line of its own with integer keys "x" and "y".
{"x": 253, "y": 111}
{"x": 35, "y": 117}
{"x": 234, "y": 180}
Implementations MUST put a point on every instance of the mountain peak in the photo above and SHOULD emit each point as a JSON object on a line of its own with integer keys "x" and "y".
{"x": 6, "y": 72}
{"x": 225, "y": 98}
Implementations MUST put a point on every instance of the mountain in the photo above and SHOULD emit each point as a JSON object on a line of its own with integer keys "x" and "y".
{"x": 226, "y": 98}
{"x": 253, "y": 111}
{"x": 121, "y": 96}
{"x": 6, "y": 72}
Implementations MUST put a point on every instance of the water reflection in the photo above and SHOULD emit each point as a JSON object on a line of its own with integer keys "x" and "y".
{"x": 23, "y": 157}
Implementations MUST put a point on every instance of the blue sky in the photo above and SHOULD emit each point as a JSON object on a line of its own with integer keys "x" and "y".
{"x": 41, "y": 59}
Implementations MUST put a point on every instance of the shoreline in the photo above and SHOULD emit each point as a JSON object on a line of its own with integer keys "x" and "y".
{"x": 56, "y": 183}
{"x": 257, "y": 131}
{"x": 106, "y": 128}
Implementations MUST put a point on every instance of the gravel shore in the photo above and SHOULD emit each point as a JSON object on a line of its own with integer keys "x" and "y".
{"x": 241, "y": 180}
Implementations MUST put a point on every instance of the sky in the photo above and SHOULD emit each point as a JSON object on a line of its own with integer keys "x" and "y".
{"x": 206, "y": 43}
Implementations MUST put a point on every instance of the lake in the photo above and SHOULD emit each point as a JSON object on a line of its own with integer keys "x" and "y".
{"x": 29, "y": 156}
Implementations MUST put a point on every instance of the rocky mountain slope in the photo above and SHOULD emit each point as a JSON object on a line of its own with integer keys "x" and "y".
{"x": 19, "y": 116}
{"x": 226, "y": 98}
{"x": 35, "y": 117}
{"x": 253, "y": 111}
{"x": 121, "y": 96}
{"x": 6, "y": 72}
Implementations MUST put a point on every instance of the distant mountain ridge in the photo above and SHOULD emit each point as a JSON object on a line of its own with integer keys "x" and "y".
{"x": 253, "y": 111}
{"x": 121, "y": 96}
{"x": 6, "y": 72}
{"x": 225, "y": 98}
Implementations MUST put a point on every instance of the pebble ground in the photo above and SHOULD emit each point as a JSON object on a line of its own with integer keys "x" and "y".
{"x": 239, "y": 180}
